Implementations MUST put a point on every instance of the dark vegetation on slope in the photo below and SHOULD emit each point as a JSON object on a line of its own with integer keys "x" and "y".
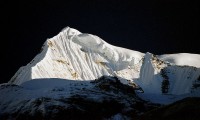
{"x": 165, "y": 82}
{"x": 196, "y": 83}
{"x": 185, "y": 109}
{"x": 72, "y": 109}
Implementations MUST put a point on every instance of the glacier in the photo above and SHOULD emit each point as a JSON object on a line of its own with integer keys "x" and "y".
{"x": 81, "y": 56}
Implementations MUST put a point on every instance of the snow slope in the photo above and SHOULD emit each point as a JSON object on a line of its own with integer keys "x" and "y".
{"x": 182, "y": 59}
{"x": 56, "y": 98}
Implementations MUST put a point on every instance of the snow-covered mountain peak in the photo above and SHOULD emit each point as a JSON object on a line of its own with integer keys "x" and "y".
{"x": 79, "y": 56}
{"x": 75, "y": 71}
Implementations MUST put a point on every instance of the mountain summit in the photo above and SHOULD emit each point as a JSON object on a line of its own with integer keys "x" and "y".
{"x": 79, "y": 56}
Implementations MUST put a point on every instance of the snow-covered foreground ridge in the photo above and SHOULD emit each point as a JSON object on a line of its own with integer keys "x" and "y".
{"x": 79, "y": 56}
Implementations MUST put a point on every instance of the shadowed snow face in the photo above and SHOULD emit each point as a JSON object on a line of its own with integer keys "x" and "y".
{"x": 96, "y": 45}
{"x": 88, "y": 41}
